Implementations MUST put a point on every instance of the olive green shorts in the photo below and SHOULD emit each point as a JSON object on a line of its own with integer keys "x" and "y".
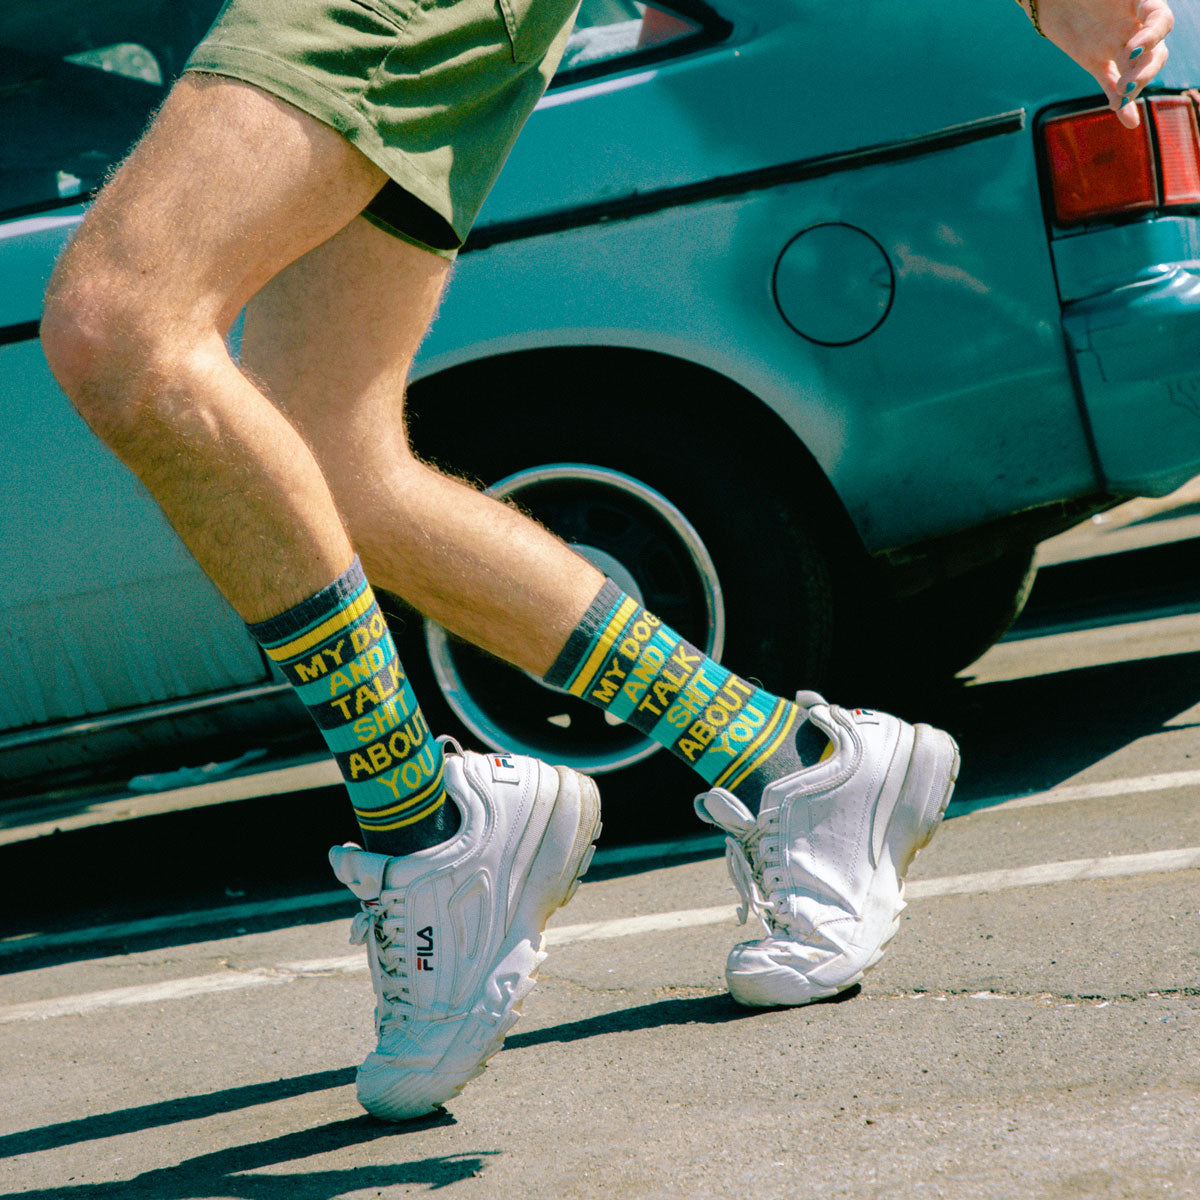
{"x": 434, "y": 92}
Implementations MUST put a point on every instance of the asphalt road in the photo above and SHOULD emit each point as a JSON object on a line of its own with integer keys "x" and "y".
{"x": 1034, "y": 1031}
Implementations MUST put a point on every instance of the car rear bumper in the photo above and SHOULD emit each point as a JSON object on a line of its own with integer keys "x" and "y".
{"x": 1136, "y": 351}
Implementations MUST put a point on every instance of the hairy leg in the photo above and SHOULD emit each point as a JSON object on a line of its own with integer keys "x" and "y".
{"x": 228, "y": 187}
{"x": 330, "y": 340}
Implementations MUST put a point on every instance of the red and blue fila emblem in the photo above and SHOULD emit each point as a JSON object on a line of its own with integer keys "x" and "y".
{"x": 425, "y": 949}
{"x": 504, "y": 768}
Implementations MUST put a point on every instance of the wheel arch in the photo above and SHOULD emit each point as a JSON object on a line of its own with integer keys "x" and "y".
{"x": 684, "y": 391}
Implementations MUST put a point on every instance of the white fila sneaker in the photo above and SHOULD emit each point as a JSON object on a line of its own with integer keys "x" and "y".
{"x": 454, "y": 933}
{"x": 823, "y": 865}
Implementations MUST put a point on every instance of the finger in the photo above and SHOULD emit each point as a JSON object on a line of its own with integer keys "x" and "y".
{"x": 1130, "y": 115}
{"x": 1140, "y": 73}
{"x": 1156, "y": 21}
{"x": 1129, "y": 85}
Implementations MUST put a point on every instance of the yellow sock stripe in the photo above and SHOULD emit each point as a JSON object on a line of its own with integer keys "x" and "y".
{"x": 605, "y": 643}
{"x": 372, "y": 814}
{"x": 339, "y": 620}
{"x": 373, "y": 828}
{"x": 751, "y": 751}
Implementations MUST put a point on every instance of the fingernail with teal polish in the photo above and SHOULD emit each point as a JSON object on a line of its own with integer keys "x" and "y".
{"x": 1136, "y": 53}
{"x": 1129, "y": 87}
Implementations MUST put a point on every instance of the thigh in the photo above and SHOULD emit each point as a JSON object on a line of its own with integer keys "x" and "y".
{"x": 228, "y": 187}
{"x": 331, "y": 338}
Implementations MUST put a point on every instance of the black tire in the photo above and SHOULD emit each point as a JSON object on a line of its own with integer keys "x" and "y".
{"x": 736, "y": 494}
{"x": 918, "y": 642}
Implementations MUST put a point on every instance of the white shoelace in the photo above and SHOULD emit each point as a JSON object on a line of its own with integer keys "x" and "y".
{"x": 762, "y": 890}
{"x": 382, "y": 930}
{"x": 764, "y": 844}
{"x": 753, "y": 901}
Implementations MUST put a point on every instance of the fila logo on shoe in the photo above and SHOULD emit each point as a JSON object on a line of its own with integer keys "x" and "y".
{"x": 504, "y": 769}
{"x": 425, "y": 949}
{"x": 865, "y": 716}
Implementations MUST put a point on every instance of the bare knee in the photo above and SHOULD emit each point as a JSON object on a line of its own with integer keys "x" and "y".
{"x": 114, "y": 352}
{"x": 75, "y": 337}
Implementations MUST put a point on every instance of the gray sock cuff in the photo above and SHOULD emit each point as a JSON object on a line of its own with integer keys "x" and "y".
{"x": 580, "y": 641}
{"x": 290, "y": 624}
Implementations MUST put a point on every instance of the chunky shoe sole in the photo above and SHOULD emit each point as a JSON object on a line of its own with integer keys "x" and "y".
{"x": 774, "y": 972}
{"x": 561, "y": 859}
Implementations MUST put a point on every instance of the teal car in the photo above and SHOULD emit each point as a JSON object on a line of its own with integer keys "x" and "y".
{"x": 807, "y": 350}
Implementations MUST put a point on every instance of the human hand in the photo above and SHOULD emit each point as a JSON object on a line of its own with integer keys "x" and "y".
{"x": 1119, "y": 42}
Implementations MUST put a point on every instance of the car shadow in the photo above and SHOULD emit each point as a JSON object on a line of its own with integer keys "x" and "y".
{"x": 1029, "y": 735}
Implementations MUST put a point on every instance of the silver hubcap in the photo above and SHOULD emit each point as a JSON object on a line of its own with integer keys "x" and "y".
{"x": 637, "y": 537}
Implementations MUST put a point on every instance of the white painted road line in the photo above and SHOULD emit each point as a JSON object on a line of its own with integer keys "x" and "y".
{"x": 231, "y": 913}
{"x": 181, "y": 989}
{"x": 318, "y": 772}
{"x": 1121, "y": 866}
{"x": 1104, "y": 790}
{"x": 596, "y": 931}
{"x": 21, "y": 944}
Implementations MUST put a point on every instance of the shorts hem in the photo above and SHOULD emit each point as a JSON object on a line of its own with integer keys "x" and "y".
{"x": 283, "y": 80}
{"x": 379, "y": 222}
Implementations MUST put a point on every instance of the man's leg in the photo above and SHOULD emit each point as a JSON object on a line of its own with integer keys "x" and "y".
{"x": 228, "y": 188}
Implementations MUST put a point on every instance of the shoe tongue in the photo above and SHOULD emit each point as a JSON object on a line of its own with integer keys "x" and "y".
{"x": 360, "y": 870}
{"x": 725, "y": 810}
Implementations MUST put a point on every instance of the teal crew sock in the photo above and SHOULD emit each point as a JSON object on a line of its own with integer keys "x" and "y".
{"x": 336, "y": 650}
{"x": 733, "y": 733}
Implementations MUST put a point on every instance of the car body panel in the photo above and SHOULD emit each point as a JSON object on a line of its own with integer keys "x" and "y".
{"x": 650, "y": 210}
{"x": 100, "y": 604}
{"x": 771, "y": 93}
{"x": 28, "y": 248}
{"x": 1104, "y": 260}
{"x": 982, "y": 421}
{"x": 1137, "y": 353}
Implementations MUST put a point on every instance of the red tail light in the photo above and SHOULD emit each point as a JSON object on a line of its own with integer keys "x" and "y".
{"x": 1178, "y": 148}
{"x": 1098, "y": 168}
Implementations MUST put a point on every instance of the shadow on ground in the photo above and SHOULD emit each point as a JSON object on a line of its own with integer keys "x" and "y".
{"x": 717, "y": 1009}
{"x": 238, "y": 1171}
{"x": 233, "y": 1171}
